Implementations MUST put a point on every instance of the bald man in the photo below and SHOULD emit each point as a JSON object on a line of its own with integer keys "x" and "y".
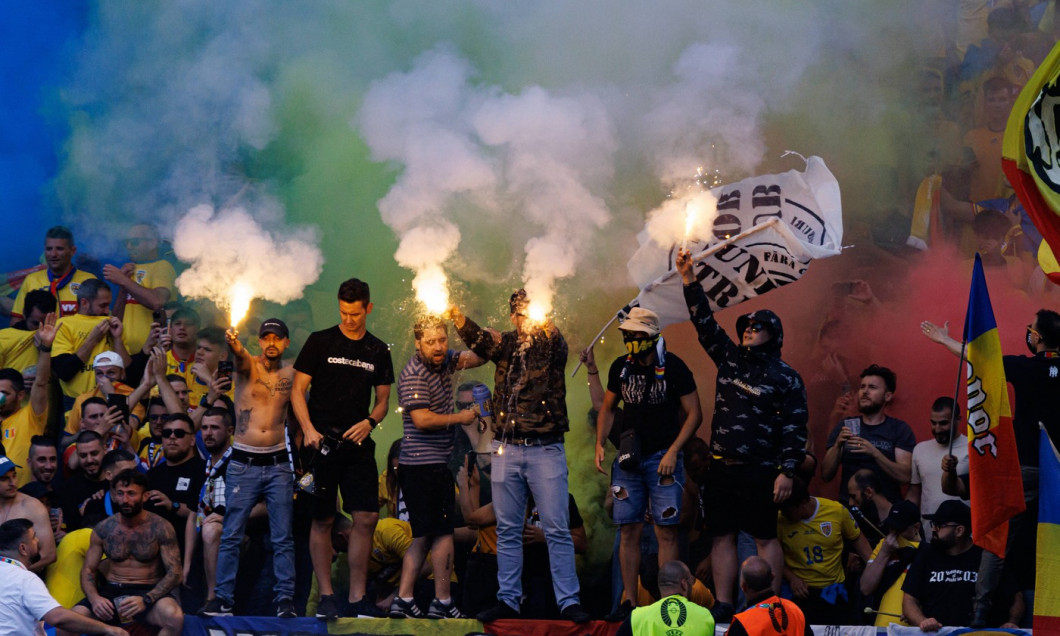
{"x": 767, "y": 614}
{"x": 674, "y": 613}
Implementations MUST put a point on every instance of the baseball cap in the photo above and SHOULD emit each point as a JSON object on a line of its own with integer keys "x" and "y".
{"x": 643, "y": 320}
{"x": 273, "y": 326}
{"x": 6, "y": 465}
{"x": 952, "y": 511}
{"x": 107, "y": 359}
{"x": 902, "y": 515}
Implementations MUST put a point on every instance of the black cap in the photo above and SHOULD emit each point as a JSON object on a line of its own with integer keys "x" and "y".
{"x": 902, "y": 515}
{"x": 952, "y": 511}
{"x": 273, "y": 325}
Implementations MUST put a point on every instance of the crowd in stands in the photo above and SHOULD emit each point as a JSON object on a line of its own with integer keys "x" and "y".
{"x": 168, "y": 465}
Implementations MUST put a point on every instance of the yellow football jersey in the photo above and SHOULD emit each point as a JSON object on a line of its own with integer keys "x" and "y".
{"x": 813, "y": 548}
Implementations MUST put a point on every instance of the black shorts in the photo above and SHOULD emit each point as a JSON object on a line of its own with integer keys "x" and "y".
{"x": 428, "y": 493}
{"x": 347, "y": 468}
{"x": 111, "y": 591}
{"x": 740, "y": 497}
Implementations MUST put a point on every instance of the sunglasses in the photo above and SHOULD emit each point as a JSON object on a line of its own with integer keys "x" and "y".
{"x": 464, "y": 405}
{"x": 179, "y": 433}
{"x": 1031, "y": 329}
{"x": 158, "y": 417}
{"x": 755, "y": 327}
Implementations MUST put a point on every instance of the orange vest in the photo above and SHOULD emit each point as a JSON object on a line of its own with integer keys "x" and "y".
{"x": 773, "y": 615}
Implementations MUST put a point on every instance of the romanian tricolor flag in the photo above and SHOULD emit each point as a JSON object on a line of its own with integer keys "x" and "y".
{"x": 1031, "y": 153}
{"x": 1047, "y": 577}
{"x": 996, "y": 487}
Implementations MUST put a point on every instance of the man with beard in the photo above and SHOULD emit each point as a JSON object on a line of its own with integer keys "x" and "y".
{"x": 530, "y": 420}
{"x": 26, "y": 599}
{"x": 14, "y": 504}
{"x": 868, "y": 506}
{"x": 143, "y": 563}
{"x": 661, "y": 405}
{"x": 425, "y": 393}
{"x": 43, "y": 461}
{"x": 86, "y": 481}
{"x": 345, "y": 365}
{"x": 101, "y": 505}
{"x": 872, "y": 440}
{"x": 216, "y": 429}
{"x": 16, "y": 342}
{"x": 758, "y": 433}
{"x": 61, "y": 279}
{"x": 940, "y": 583}
{"x": 174, "y": 484}
{"x": 260, "y": 466}
{"x": 925, "y": 484}
{"x": 82, "y": 337}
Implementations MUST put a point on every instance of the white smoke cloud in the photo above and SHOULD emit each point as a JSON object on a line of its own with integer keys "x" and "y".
{"x": 229, "y": 248}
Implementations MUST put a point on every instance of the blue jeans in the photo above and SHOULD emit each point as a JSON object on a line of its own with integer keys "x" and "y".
{"x": 647, "y": 485}
{"x": 244, "y": 485}
{"x": 541, "y": 470}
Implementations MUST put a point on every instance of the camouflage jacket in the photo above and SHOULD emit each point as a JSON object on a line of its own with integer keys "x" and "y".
{"x": 529, "y": 388}
{"x": 760, "y": 402}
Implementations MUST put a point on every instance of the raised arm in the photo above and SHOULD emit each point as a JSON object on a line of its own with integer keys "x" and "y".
{"x": 941, "y": 335}
{"x": 241, "y": 357}
{"x": 43, "y": 340}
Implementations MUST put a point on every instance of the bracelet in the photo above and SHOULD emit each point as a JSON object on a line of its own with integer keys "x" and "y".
{"x": 372, "y": 422}
{"x": 42, "y": 349}
{"x": 204, "y": 403}
{"x": 597, "y": 372}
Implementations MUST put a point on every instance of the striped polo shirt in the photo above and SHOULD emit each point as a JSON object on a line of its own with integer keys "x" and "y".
{"x": 420, "y": 387}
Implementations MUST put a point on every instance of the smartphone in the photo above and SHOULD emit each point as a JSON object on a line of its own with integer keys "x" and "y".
{"x": 224, "y": 369}
{"x": 158, "y": 316}
{"x": 120, "y": 401}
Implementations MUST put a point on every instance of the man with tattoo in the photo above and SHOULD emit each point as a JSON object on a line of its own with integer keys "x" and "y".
{"x": 260, "y": 466}
{"x": 143, "y": 563}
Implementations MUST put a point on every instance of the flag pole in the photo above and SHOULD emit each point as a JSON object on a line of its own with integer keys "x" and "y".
{"x": 714, "y": 249}
{"x": 956, "y": 394}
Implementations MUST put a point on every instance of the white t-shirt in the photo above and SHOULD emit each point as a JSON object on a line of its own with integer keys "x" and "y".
{"x": 927, "y": 471}
{"x": 24, "y": 600}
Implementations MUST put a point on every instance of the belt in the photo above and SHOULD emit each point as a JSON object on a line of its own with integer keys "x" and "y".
{"x": 540, "y": 440}
{"x": 259, "y": 459}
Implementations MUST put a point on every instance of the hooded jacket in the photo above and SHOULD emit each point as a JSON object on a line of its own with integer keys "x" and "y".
{"x": 760, "y": 402}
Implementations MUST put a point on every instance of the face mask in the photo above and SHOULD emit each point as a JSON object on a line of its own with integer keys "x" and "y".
{"x": 638, "y": 345}
{"x": 1030, "y": 343}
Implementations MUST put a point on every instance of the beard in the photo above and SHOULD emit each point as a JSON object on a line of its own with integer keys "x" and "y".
{"x": 943, "y": 544}
{"x": 35, "y": 558}
{"x": 130, "y": 510}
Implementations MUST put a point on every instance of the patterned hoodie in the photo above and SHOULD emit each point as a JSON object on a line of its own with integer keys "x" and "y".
{"x": 760, "y": 402}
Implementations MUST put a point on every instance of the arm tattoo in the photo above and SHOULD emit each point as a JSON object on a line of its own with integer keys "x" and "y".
{"x": 164, "y": 534}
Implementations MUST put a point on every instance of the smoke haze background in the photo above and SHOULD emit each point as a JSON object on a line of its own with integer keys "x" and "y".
{"x": 502, "y": 142}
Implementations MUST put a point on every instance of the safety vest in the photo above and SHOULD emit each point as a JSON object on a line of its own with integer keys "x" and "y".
{"x": 672, "y": 616}
{"x": 773, "y": 615}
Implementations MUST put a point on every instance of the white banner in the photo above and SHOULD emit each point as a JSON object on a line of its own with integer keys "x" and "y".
{"x": 787, "y": 220}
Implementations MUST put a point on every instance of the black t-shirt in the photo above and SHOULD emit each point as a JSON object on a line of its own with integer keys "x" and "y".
{"x": 75, "y": 491}
{"x": 652, "y": 404}
{"x": 181, "y": 484}
{"x": 1036, "y": 381}
{"x": 886, "y": 436}
{"x": 344, "y": 373}
{"x": 944, "y": 584}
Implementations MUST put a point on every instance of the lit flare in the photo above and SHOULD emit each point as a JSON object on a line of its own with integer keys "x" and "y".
{"x": 239, "y": 303}
{"x": 432, "y": 289}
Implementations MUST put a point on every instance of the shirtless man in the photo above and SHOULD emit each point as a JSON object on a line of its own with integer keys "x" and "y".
{"x": 14, "y": 505}
{"x": 142, "y": 566}
{"x": 260, "y": 466}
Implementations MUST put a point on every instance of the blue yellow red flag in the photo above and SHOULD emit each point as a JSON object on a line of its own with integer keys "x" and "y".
{"x": 996, "y": 486}
{"x": 1047, "y": 573}
{"x": 1030, "y": 149}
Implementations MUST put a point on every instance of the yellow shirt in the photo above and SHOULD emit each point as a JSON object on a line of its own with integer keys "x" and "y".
{"x": 137, "y": 319}
{"x": 16, "y": 349}
{"x": 70, "y": 333}
{"x": 67, "y": 297}
{"x": 813, "y": 548}
{"x": 19, "y": 428}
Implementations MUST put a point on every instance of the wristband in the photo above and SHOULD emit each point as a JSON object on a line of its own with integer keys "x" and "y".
{"x": 372, "y": 422}
{"x": 597, "y": 372}
{"x": 204, "y": 403}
